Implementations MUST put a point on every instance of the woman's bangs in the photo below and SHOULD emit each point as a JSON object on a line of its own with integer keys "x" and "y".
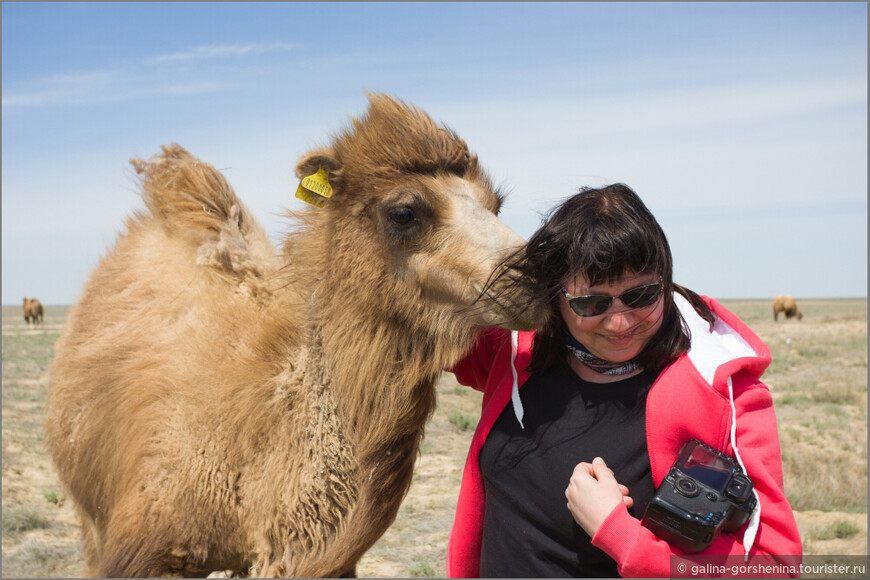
{"x": 608, "y": 259}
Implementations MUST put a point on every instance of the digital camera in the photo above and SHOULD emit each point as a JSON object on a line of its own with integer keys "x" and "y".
{"x": 703, "y": 494}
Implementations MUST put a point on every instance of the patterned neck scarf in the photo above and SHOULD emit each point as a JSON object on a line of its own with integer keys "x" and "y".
{"x": 598, "y": 365}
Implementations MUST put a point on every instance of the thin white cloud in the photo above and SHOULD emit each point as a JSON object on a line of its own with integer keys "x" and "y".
{"x": 63, "y": 88}
{"x": 130, "y": 82}
{"x": 219, "y": 51}
{"x": 656, "y": 110}
{"x": 103, "y": 87}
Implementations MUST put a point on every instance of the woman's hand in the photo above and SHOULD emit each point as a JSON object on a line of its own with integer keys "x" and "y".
{"x": 592, "y": 494}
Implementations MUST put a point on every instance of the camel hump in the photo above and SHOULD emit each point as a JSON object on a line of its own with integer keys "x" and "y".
{"x": 187, "y": 195}
{"x": 195, "y": 203}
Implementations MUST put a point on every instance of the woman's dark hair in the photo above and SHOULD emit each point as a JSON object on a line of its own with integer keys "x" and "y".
{"x": 604, "y": 234}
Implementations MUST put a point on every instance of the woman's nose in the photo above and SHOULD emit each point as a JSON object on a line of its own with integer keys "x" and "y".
{"x": 618, "y": 315}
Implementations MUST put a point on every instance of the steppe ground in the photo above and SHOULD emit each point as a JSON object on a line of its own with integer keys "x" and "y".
{"x": 818, "y": 379}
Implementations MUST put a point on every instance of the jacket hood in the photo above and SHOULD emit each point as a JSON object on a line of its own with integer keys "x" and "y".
{"x": 729, "y": 346}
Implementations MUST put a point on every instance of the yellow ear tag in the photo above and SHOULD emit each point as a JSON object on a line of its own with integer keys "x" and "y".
{"x": 319, "y": 182}
{"x": 315, "y": 188}
{"x": 309, "y": 197}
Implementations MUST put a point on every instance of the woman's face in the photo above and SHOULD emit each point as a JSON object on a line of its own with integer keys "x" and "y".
{"x": 620, "y": 333}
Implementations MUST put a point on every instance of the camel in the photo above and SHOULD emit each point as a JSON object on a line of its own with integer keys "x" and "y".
{"x": 33, "y": 311}
{"x": 787, "y": 305}
{"x": 217, "y": 404}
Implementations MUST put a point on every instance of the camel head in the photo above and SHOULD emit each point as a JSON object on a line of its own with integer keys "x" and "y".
{"x": 414, "y": 217}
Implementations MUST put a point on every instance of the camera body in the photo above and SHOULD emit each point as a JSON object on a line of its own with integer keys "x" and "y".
{"x": 703, "y": 494}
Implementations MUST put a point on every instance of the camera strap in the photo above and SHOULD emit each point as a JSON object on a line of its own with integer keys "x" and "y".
{"x": 752, "y": 527}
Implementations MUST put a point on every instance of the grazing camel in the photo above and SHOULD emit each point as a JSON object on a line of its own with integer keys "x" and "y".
{"x": 33, "y": 311}
{"x": 787, "y": 305}
{"x": 218, "y": 405}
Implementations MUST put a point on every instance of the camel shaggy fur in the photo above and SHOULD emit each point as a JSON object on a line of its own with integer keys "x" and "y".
{"x": 787, "y": 305}
{"x": 220, "y": 405}
{"x": 33, "y": 311}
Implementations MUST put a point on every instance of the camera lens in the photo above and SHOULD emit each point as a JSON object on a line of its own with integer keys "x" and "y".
{"x": 687, "y": 487}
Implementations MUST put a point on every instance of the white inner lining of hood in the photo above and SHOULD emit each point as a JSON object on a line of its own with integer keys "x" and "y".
{"x": 710, "y": 349}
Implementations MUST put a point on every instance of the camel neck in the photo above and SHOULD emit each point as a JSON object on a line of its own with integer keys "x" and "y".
{"x": 383, "y": 385}
{"x": 366, "y": 439}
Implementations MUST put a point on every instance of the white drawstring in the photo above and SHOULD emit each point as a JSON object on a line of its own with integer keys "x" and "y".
{"x": 752, "y": 528}
{"x": 515, "y": 392}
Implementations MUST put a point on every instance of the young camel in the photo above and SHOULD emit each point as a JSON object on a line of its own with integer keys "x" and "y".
{"x": 218, "y": 406}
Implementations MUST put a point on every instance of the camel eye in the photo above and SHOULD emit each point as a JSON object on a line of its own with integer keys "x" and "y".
{"x": 402, "y": 216}
{"x": 406, "y": 218}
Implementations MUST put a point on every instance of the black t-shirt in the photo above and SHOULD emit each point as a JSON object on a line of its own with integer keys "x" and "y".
{"x": 527, "y": 530}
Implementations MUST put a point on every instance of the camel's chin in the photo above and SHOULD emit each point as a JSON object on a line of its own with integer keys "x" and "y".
{"x": 510, "y": 303}
{"x": 514, "y": 315}
{"x": 514, "y": 324}
{"x": 520, "y": 325}
{"x": 507, "y": 318}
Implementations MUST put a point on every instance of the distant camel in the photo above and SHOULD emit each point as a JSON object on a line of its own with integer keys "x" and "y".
{"x": 32, "y": 311}
{"x": 787, "y": 305}
{"x": 216, "y": 405}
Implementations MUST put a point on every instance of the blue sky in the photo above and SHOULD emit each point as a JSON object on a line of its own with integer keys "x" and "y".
{"x": 742, "y": 125}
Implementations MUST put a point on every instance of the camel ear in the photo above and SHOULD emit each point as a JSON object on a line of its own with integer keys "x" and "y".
{"x": 309, "y": 163}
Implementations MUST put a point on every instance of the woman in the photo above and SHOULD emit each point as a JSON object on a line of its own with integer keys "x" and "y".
{"x": 629, "y": 367}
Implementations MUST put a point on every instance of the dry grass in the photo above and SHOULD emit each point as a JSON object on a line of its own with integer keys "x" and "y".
{"x": 40, "y": 533}
{"x": 819, "y": 383}
{"x": 818, "y": 379}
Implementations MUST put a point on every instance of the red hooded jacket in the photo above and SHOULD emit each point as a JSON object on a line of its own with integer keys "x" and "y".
{"x": 691, "y": 399}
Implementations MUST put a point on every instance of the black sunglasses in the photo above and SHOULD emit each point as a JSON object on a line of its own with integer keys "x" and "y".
{"x": 596, "y": 304}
